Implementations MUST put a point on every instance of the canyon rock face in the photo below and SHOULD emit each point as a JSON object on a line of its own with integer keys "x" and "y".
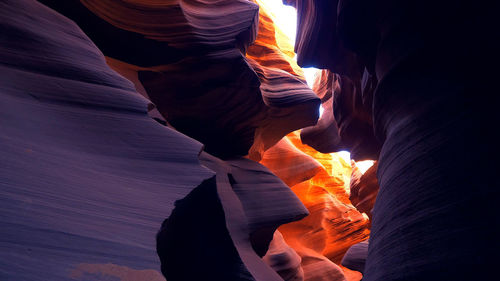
{"x": 424, "y": 226}
{"x": 364, "y": 189}
{"x": 88, "y": 176}
{"x": 205, "y": 86}
{"x": 355, "y": 257}
{"x": 346, "y": 123}
{"x": 333, "y": 224}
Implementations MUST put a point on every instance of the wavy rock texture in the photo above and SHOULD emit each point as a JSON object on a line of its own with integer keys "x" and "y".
{"x": 73, "y": 122}
{"x": 317, "y": 43}
{"x": 272, "y": 48}
{"x": 324, "y": 136}
{"x": 204, "y": 86}
{"x": 290, "y": 164}
{"x": 424, "y": 226}
{"x": 355, "y": 257}
{"x": 348, "y": 77}
{"x": 242, "y": 207}
{"x": 87, "y": 175}
{"x": 333, "y": 225}
{"x": 364, "y": 189}
{"x": 283, "y": 259}
{"x": 346, "y": 123}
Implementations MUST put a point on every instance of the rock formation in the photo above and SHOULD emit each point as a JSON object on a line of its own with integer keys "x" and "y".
{"x": 428, "y": 59}
{"x": 87, "y": 175}
{"x": 102, "y": 175}
{"x": 205, "y": 88}
{"x": 364, "y": 188}
{"x": 355, "y": 257}
{"x": 346, "y": 123}
{"x": 333, "y": 225}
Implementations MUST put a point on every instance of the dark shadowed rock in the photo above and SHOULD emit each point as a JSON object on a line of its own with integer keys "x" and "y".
{"x": 433, "y": 217}
{"x": 196, "y": 234}
{"x": 346, "y": 123}
{"x": 355, "y": 257}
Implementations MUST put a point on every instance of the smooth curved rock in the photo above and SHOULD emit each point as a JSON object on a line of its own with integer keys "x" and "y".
{"x": 331, "y": 227}
{"x": 433, "y": 218}
{"x": 319, "y": 268}
{"x": 181, "y": 244}
{"x": 324, "y": 136}
{"x": 289, "y": 163}
{"x": 283, "y": 259}
{"x": 272, "y": 48}
{"x": 255, "y": 204}
{"x": 240, "y": 209}
{"x": 364, "y": 189}
{"x": 317, "y": 43}
{"x": 333, "y": 224}
{"x": 87, "y": 175}
{"x": 266, "y": 201}
{"x": 346, "y": 123}
{"x": 355, "y": 257}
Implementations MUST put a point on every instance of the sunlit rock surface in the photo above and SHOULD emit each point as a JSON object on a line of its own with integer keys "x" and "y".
{"x": 272, "y": 48}
{"x": 333, "y": 224}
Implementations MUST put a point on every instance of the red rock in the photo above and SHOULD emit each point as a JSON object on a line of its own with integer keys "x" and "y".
{"x": 333, "y": 224}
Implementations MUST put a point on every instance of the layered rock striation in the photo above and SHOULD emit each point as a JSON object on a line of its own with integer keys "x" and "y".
{"x": 427, "y": 61}
{"x": 208, "y": 87}
{"x": 103, "y": 175}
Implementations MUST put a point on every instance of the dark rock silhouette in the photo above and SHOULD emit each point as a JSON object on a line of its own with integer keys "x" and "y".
{"x": 181, "y": 244}
{"x": 429, "y": 61}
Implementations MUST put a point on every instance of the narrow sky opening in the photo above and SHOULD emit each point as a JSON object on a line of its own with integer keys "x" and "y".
{"x": 285, "y": 18}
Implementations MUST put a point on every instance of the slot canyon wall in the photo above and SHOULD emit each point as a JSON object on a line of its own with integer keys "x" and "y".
{"x": 178, "y": 140}
{"x": 416, "y": 71}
